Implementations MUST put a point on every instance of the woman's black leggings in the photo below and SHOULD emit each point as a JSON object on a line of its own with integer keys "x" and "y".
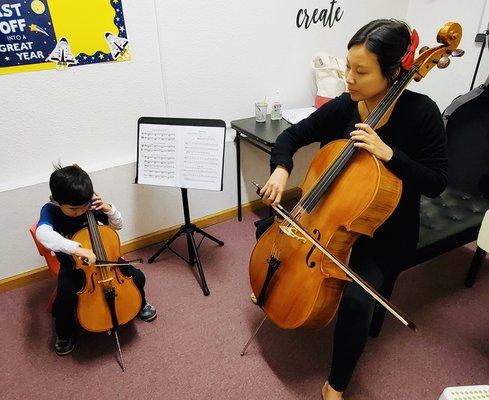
{"x": 353, "y": 317}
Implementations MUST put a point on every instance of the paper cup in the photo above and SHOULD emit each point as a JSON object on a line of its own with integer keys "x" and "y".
{"x": 260, "y": 111}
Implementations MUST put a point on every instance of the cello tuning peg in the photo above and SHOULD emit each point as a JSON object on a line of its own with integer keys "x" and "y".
{"x": 458, "y": 53}
{"x": 423, "y": 49}
{"x": 443, "y": 62}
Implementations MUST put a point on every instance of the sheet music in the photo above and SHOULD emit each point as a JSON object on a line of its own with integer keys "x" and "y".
{"x": 296, "y": 115}
{"x": 181, "y": 156}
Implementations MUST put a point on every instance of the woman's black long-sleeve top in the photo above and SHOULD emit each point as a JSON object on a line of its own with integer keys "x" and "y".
{"x": 416, "y": 134}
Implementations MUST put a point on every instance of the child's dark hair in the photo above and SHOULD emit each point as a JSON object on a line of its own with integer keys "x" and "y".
{"x": 70, "y": 185}
{"x": 389, "y": 40}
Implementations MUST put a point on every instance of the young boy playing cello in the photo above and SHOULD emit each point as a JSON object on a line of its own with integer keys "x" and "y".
{"x": 71, "y": 197}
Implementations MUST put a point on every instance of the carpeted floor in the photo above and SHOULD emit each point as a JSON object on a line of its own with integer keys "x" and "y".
{"x": 192, "y": 350}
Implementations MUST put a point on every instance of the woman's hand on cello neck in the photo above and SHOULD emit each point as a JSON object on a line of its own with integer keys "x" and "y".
{"x": 272, "y": 191}
{"x": 366, "y": 138}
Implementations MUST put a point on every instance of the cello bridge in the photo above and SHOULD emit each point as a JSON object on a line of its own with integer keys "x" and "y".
{"x": 105, "y": 280}
{"x": 292, "y": 232}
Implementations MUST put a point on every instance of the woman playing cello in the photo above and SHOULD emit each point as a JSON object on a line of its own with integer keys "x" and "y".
{"x": 411, "y": 143}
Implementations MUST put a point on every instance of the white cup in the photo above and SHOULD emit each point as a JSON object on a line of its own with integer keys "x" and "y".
{"x": 261, "y": 111}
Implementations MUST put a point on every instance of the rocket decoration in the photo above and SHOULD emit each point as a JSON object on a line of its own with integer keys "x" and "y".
{"x": 118, "y": 47}
{"x": 62, "y": 55}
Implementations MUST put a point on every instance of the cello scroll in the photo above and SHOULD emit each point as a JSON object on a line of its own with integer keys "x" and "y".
{"x": 449, "y": 36}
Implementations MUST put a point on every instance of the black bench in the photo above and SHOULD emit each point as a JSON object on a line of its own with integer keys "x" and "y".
{"x": 453, "y": 219}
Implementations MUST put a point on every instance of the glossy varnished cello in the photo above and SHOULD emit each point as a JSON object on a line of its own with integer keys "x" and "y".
{"x": 298, "y": 266}
{"x": 109, "y": 298}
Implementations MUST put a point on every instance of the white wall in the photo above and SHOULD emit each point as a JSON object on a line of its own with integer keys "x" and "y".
{"x": 209, "y": 59}
{"x": 75, "y": 114}
{"x": 221, "y": 56}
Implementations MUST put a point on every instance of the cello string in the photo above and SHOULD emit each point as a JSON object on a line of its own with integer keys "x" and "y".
{"x": 314, "y": 185}
{"x": 97, "y": 243}
{"x": 327, "y": 178}
{"x": 398, "y": 87}
{"x": 93, "y": 238}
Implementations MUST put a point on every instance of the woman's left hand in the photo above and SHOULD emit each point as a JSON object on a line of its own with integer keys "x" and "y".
{"x": 366, "y": 138}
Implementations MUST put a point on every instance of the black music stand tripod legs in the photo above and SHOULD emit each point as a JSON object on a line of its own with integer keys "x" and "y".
{"x": 193, "y": 249}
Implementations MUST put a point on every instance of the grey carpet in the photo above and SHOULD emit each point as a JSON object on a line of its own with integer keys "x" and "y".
{"x": 191, "y": 351}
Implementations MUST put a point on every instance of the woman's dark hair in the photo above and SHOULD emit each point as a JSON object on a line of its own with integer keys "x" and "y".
{"x": 388, "y": 39}
{"x": 70, "y": 185}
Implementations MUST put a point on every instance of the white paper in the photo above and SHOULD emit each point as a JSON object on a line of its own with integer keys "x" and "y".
{"x": 296, "y": 115}
{"x": 181, "y": 156}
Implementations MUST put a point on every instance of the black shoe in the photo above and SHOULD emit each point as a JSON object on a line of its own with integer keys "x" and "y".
{"x": 147, "y": 313}
{"x": 62, "y": 347}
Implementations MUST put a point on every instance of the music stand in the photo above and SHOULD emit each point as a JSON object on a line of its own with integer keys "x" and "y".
{"x": 188, "y": 229}
{"x": 185, "y": 153}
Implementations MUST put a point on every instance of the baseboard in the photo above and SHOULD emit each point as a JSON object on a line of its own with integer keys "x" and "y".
{"x": 24, "y": 278}
{"x": 41, "y": 273}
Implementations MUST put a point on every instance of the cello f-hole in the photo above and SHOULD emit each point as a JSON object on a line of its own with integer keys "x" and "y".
{"x": 119, "y": 278}
{"x": 312, "y": 264}
{"x": 92, "y": 280}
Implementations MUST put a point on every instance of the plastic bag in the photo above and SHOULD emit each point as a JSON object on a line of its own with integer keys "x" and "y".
{"x": 329, "y": 73}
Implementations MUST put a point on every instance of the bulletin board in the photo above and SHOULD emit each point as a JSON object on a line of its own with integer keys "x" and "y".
{"x": 48, "y": 34}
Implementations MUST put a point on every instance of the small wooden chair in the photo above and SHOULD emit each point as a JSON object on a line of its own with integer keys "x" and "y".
{"x": 51, "y": 261}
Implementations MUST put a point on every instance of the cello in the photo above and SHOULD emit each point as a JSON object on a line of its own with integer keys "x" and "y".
{"x": 298, "y": 266}
{"x": 108, "y": 299}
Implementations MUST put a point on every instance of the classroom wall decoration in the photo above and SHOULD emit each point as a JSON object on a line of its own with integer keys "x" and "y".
{"x": 325, "y": 17}
{"x": 47, "y": 34}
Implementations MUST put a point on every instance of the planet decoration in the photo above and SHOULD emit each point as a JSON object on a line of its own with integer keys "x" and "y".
{"x": 38, "y": 7}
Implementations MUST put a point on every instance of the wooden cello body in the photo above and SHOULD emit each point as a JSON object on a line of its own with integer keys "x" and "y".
{"x": 346, "y": 193}
{"x": 109, "y": 298}
{"x": 307, "y": 287}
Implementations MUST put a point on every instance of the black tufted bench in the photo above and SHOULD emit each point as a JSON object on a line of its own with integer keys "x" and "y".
{"x": 453, "y": 219}
{"x": 448, "y": 221}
